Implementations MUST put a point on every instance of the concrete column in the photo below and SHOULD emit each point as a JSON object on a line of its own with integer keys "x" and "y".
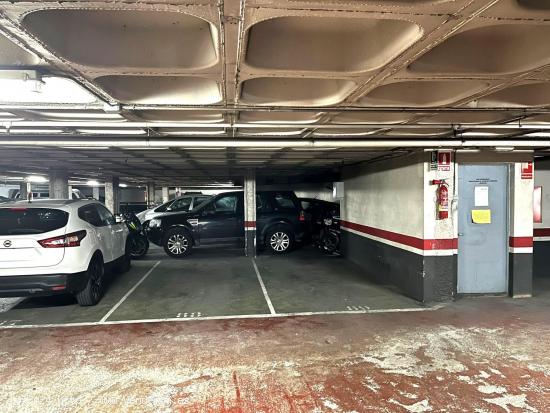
{"x": 95, "y": 192}
{"x": 24, "y": 190}
{"x": 165, "y": 194}
{"x": 59, "y": 184}
{"x": 520, "y": 255}
{"x": 150, "y": 194}
{"x": 112, "y": 194}
{"x": 250, "y": 213}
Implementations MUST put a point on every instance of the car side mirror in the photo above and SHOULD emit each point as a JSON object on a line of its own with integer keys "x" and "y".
{"x": 119, "y": 218}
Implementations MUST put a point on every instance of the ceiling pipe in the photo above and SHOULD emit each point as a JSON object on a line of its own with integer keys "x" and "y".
{"x": 247, "y": 108}
{"x": 191, "y": 125}
{"x": 271, "y": 143}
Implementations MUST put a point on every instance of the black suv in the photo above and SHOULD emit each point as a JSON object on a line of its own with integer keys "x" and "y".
{"x": 279, "y": 223}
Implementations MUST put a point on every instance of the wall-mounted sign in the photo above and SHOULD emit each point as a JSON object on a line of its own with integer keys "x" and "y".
{"x": 527, "y": 170}
{"x": 444, "y": 160}
{"x": 481, "y": 216}
{"x": 433, "y": 161}
{"x": 537, "y": 205}
{"x": 481, "y": 196}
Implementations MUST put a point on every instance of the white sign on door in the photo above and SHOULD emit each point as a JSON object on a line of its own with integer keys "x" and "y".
{"x": 481, "y": 196}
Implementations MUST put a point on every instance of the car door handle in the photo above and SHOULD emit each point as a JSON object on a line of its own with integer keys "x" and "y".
{"x": 461, "y": 234}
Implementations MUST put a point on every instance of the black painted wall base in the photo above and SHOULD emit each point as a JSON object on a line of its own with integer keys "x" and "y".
{"x": 541, "y": 259}
{"x": 521, "y": 275}
{"x": 250, "y": 242}
{"x": 425, "y": 279}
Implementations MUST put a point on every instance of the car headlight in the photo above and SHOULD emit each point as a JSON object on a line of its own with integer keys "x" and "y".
{"x": 154, "y": 223}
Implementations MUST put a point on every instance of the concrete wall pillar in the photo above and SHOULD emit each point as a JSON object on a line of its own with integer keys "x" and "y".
{"x": 250, "y": 213}
{"x": 165, "y": 194}
{"x": 24, "y": 189}
{"x": 150, "y": 193}
{"x": 95, "y": 192}
{"x": 59, "y": 184}
{"x": 520, "y": 248}
{"x": 112, "y": 194}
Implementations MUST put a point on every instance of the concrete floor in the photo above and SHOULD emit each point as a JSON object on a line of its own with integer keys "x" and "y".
{"x": 216, "y": 282}
{"x": 475, "y": 355}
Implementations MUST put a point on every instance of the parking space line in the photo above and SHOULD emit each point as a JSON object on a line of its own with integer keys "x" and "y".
{"x": 112, "y": 310}
{"x": 228, "y": 317}
{"x": 264, "y": 290}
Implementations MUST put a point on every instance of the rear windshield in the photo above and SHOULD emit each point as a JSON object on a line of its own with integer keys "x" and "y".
{"x": 20, "y": 221}
{"x": 284, "y": 201}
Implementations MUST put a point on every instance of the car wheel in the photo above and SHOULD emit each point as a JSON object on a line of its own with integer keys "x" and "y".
{"x": 178, "y": 243}
{"x": 279, "y": 240}
{"x": 93, "y": 291}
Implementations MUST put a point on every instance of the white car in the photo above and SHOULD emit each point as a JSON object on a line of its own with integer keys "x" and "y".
{"x": 182, "y": 204}
{"x": 59, "y": 247}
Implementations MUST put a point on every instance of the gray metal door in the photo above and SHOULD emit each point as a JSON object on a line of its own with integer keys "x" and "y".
{"x": 482, "y": 245}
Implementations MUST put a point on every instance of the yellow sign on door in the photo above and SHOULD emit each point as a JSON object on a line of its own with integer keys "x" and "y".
{"x": 481, "y": 216}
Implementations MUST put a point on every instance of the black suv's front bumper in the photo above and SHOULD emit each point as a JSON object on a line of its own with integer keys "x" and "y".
{"x": 155, "y": 235}
{"x": 41, "y": 284}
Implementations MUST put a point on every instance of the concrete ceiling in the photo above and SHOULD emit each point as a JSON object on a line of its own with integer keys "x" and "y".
{"x": 272, "y": 69}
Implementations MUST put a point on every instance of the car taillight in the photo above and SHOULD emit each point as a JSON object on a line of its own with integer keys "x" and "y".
{"x": 68, "y": 240}
{"x": 302, "y": 216}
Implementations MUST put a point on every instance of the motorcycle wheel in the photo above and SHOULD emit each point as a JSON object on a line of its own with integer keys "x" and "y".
{"x": 330, "y": 242}
{"x": 139, "y": 247}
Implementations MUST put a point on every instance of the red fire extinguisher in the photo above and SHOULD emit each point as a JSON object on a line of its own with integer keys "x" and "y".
{"x": 442, "y": 195}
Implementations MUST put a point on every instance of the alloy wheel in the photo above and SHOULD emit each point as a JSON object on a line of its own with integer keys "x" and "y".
{"x": 279, "y": 241}
{"x": 96, "y": 279}
{"x": 178, "y": 244}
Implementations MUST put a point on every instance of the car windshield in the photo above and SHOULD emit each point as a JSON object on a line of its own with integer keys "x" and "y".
{"x": 163, "y": 207}
{"x": 21, "y": 221}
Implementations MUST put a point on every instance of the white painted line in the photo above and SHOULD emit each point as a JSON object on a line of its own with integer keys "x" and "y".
{"x": 112, "y": 310}
{"x": 229, "y": 317}
{"x": 267, "y": 299}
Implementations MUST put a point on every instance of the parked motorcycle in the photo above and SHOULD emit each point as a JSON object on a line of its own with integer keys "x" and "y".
{"x": 139, "y": 244}
{"x": 329, "y": 236}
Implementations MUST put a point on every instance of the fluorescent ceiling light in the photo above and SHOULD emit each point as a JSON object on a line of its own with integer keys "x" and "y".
{"x": 52, "y": 90}
{"x": 123, "y": 185}
{"x": 36, "y": 179}
{"x": 112, "y": 131}
{"x": 192, "y": 132}
{"x": 85, "y": 147}
{"x": 80, "y": 115}
{"x": 145, "y": 148}
{"x": 92, "y": 183}
{"x": 504, "y": 148}
{"x": 31, "y": 131}
{"x": 538, "y": 135}
{"x": 480, "y": 134}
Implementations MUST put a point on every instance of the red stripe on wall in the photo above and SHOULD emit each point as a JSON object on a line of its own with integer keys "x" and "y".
{"x": 250, "y": 224}
{"x": 418, "y": 243}
{"x": 521, "y": 242}
{"x": 541, "y": 232}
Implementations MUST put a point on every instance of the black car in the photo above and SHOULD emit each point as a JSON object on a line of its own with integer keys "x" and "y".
{"x": 279, "y": 223}
{"x": 316, "y": 210}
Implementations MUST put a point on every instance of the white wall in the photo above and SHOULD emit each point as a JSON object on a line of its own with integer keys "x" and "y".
{"x": 386, "y": 195}
{"x": 318, "y": 191}
{"x": 542, "y": 178}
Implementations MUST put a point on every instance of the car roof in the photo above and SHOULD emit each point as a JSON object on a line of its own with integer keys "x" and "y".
{"x": 50, "y": 203}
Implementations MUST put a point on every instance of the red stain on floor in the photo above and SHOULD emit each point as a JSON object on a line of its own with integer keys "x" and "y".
{"x": 489, "y": 355}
